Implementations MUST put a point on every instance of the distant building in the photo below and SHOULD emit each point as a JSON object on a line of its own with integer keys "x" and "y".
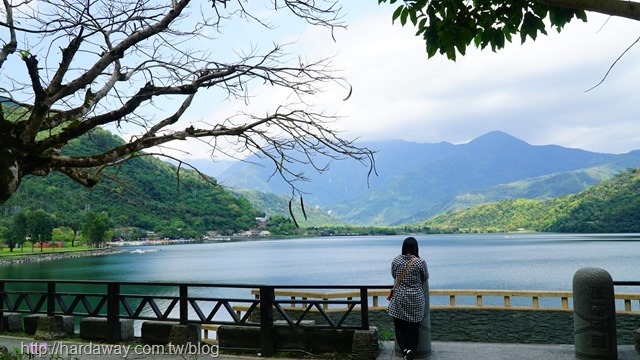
{"x": 261, "y": 222}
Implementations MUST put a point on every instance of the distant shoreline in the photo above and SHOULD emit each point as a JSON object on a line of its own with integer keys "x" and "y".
{"x": 49, "y": 256}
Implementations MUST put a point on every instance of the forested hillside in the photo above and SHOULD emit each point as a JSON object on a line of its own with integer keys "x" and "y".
{"x": 610, "y": 206}
{"x": 414, "y": 182}
{"x": 143, "y": 192}
{"x": 273, "y": 204}
{"x": 152, "y": 195}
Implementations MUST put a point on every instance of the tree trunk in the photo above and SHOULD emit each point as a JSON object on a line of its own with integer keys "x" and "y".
{"x": 10, "y": 173}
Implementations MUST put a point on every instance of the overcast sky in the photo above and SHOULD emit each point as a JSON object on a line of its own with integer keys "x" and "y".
{"x": 536, "y": 91}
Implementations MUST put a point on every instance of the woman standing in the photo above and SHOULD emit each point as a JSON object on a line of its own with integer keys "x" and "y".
{"x": 407, "y": 304}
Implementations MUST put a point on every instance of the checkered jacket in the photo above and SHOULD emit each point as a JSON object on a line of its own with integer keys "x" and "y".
{"x": 408, "y": 301}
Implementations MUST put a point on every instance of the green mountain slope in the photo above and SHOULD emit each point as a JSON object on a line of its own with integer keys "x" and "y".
{"x": 414, "y": 182}
{"x": 539, "y": 188}
{"x": 274, "y": 204}
{"x": 610, "y": 206}
{"x": 143, "y": 192}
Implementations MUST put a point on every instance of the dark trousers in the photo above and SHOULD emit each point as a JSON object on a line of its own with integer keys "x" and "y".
{"x": 407, "y": 334}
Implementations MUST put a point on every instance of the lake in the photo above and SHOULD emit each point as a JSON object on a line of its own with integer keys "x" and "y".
{"x": 484, "y": 261}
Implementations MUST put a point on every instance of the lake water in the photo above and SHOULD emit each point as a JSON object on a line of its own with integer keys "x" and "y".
{"x": 518, "y": 261}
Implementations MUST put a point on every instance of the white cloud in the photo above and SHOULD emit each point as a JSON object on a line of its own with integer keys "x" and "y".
{"x": 534, "y": 91}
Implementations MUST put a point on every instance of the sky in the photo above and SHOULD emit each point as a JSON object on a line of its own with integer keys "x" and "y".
{"x": 536, "y": 91}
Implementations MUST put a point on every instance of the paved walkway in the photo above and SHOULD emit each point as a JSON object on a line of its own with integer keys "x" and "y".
{"x": 440, "y": 351}
{"x": 485, "y": 351}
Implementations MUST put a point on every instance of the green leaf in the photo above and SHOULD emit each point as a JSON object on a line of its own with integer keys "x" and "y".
{"x": 431, "y": 50}
{"x": 413, "y": 17}
{"x": 397, "y": 13}
{"x": 403, "y": 16}
{"x": 582, "y": 15}
{"x": 507, "y": 36}
{"x": 531, "y": 24}
{"x": 498, "y": 39}
{"x": 540, "y": 11}
{"x": 477, "y": 40}
{"x": 462, "y": 47}
{"x": 422, "y": 23}
{"x": 451, "y": 53}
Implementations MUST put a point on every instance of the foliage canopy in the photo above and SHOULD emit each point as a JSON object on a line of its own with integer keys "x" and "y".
{"x": 450, "y": 26}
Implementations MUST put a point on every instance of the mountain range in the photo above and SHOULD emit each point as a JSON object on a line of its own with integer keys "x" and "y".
{"x": 414, "y": 182}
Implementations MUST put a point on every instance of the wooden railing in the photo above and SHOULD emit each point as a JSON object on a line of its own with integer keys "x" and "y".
{"x": 459, "y": 298}
{"x": 186, "y": 304}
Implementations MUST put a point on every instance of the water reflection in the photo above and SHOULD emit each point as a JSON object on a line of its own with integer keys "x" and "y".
{"x": 490, "y": 261}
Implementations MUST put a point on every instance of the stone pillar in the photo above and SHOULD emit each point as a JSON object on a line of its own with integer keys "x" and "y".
{"x": 594, "y": 315}
{"x": 424, "y": 343}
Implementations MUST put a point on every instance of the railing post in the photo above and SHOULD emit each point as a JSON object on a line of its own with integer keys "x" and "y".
{"x": 113, "y": 313}
{"x": 51, "y": 298}
{"x": 364, "y": 307}
{"x": 267, "y": 295}
{"x": 2, "y": 296}
{"x": 184, "y": 304}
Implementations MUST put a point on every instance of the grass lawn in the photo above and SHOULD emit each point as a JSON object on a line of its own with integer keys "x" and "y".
{"x": 26, "y": 250}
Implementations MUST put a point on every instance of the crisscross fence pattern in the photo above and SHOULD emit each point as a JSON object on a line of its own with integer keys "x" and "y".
{"x": 186, "y": 303}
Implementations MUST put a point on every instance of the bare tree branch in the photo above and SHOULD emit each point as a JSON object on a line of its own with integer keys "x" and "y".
{"x": 11, "y": 46}
{"x": 627, "y": 9}
{"x": 139, "y": 65}
{"x": 613, "y": 65}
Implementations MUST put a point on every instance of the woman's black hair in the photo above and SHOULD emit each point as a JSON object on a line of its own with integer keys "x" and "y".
{"x": 410, "y": 246}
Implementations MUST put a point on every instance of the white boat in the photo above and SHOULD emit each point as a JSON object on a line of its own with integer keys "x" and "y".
{"x": 140, "y": 251}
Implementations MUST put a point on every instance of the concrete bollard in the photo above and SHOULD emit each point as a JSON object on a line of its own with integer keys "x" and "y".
{"x": 95, "y": 328}
{"x": 365, "y": 344}
{"x": 156, "y": 332}
{"x": 184, "y": 334}
{"x": 424, "y": 342}
{"x": 50, "y": 328}
{"x": 12, "y": 322}
{"x": 594, "y": 315}
{"x": 30, "y": 323}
